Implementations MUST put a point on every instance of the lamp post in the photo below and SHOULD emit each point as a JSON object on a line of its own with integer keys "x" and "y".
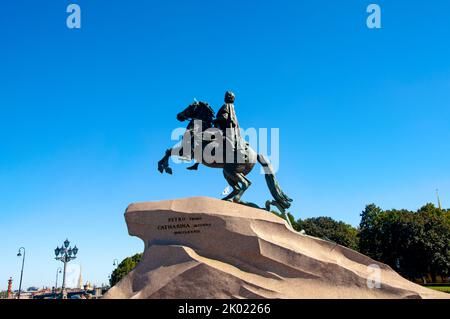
{"x": 58, "y": 271}
{"x": 21, "y": 272}
{"x": 65, "y": 254}
{"x": 115, "y": 264}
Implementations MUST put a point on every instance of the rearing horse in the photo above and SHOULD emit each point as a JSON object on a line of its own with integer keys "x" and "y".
{"x": 234, "y": 172}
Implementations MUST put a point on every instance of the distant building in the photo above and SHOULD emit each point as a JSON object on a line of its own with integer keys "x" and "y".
{"x": 9, "y": 288}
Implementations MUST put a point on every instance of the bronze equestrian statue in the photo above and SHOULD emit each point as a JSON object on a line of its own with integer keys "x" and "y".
{"x": 238, "y": 160}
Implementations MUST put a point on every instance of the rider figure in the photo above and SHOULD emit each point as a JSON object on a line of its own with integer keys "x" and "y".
{"x": 227, "y": 122}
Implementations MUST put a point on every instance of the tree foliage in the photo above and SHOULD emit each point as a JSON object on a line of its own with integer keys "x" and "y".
{"x": 326, "y": 228}
{"x": 414, "y": 243}
{"x": 329, "y": 229}
{"x": 124, "y": 268}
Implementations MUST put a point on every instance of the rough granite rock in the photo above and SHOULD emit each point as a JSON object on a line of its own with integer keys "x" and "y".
{"x": 207, "y": 248}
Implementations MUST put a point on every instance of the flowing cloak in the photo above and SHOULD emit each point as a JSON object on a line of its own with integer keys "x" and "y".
{"x": 227, "y": 121}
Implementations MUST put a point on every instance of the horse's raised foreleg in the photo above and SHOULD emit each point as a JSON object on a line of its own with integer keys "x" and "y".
{"x": 163, "y": 164}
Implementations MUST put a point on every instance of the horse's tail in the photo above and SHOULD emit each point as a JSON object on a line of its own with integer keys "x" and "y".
{"x": 280, "y": 197}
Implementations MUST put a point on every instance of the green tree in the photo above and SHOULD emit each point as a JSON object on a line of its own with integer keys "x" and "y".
{"x": 399, "y": 236}
{"x": 326, "y": 228}
{"x": 414, "y": 243}
{"x": 124, "y": 268}
{"x": 329, "y": 229}
{"x": 436, "y": 240}
{"x": 368, "y": 231}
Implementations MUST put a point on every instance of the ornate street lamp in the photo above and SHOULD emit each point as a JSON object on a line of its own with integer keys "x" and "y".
{"x": 65, "y": 254}
{"x": 19, "y": 254}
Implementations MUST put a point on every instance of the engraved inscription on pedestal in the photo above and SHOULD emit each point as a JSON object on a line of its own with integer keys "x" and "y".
{"x": 184, "y": 225}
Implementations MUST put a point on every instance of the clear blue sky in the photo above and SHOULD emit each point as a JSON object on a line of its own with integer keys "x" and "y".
{"x": 86, "y": 114}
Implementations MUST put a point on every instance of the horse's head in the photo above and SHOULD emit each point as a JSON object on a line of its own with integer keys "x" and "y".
{"x": 197, "y": 111}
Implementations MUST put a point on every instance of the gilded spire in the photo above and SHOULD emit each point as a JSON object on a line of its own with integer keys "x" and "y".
{"x": 438, "y": 199}
{"x": 80, "y": 280}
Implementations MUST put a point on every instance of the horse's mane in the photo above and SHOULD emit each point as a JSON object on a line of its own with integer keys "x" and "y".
{"x": 207, "y": 108}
